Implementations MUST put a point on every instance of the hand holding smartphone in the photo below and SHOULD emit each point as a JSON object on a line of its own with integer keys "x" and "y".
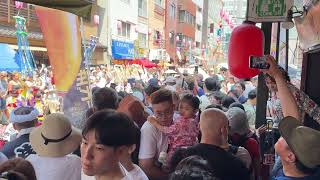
{"x": 257, "y": 62}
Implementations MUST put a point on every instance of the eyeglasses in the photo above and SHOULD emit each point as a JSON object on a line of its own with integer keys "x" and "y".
{"x": 166, "y": 113}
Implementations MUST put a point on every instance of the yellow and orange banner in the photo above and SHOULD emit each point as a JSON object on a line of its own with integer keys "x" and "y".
{"x": 61, "y": 31}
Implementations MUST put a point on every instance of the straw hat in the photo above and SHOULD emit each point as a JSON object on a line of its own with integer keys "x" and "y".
{"x": 55, "y": 137}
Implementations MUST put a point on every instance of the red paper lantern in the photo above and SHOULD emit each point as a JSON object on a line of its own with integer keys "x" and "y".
{"x": 246, "y": 40}
{"x": 96, "y": 19}
{"x": 18, "y": 5}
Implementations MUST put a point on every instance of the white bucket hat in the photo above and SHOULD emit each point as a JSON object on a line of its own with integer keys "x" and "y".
{"x": 55, "y": 137}
{"x": 238, "y": 121}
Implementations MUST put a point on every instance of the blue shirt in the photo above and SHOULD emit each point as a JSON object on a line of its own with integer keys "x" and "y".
{"x": 281, "y": 176}
{"x": 200, "y": 92}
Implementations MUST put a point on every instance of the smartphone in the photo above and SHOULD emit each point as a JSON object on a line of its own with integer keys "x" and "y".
{"x": 258, "y": 62}
{"x": 269, "y": 124}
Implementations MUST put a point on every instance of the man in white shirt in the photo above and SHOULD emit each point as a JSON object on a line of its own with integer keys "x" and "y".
{"x": 153, "y": 142}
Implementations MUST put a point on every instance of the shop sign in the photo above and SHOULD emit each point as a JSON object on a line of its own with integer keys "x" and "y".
{"x": 268, "y": 10}
{"x": 122, "y": 50}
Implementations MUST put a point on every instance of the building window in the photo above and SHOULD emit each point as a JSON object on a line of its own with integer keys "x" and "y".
{"x": 182, "y": 15}
{"x": 198, "y": 44}
{"x": 183, "y": 40}
{"x": 186, "y": 17}
{"x": 126, "y": 1}
{"x": 172, "y": 38}
{"x": 198, "y": 27}
{"x": 172, "y": 11}
{"x": 142, "y": 11}
{"x": 158, "y": 2}
{"x": 142, "y": 40}
{"x": 124, "y": 30}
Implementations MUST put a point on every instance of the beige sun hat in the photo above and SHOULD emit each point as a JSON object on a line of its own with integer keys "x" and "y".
{"x": 55, "y": 137}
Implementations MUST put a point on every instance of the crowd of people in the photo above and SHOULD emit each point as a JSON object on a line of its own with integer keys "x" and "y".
{"x": 174, "y": 127}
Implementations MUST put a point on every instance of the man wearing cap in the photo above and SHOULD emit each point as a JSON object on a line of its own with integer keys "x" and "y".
{"x": 299, "y": 147}
{"x": 24, "y": 120}
{"x": 299, "y": 151}
{"x": 170, "y": 83}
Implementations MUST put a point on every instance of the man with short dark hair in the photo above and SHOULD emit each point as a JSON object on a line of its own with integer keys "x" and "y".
{"x": 213, "y": 95}
{"x": 107, "y": 137}
{"x": 24, "y": 120}
{"x": 105, "y": 98}
{"x": 240, "y": 87}
{"x": 153, "y": 142}
{"x": 151, "y": 88}
{"x": 250, "y": 108}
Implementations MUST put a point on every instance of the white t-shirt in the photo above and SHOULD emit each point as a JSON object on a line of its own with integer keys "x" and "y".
{"x": 52, "y": 168}
{"x": 204, "y": 102}
{"x": 138, "y": 174}
{"x": 152, "y": 142}
{"x": 249, "y": 87}
{"x": 127, "y": 175}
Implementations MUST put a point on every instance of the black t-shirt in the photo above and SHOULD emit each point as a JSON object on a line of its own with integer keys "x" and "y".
{"x": 224, "y": 164}
{"x": 19, "y": 147}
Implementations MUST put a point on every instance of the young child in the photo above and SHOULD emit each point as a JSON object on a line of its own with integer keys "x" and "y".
{"x": 36, "y": 100}
{"x": 185, "y": 130}
{"x": 15, "y": 99}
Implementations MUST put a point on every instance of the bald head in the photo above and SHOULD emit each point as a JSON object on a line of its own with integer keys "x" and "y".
{"x": 213, "y": 125}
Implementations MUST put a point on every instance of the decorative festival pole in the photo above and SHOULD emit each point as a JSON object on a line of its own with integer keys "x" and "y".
{"x": 26, "y": 57}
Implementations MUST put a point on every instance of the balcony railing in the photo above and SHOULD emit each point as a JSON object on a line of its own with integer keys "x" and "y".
{"x": 8, "y": 10}
{"x": 158, "y": 9}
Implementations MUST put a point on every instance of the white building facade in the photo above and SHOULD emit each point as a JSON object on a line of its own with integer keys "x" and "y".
{"x": 199, "y": 18}
{"x": 123, "y": 28}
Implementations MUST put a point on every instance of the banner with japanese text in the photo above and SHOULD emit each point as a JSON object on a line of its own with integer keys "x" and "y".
{"x": 62, "y": 37}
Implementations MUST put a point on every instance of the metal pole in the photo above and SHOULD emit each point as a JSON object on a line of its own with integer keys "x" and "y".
{"x": 262, "y": 92}
{"x": 287, "y": 50}
{"x": 278, "y": 42}
{"x": 84, "y": 56}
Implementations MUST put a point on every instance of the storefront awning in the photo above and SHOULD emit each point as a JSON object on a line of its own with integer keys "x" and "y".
{"x": 144, "y": 62}
{"x": 80, "y": 8}
{"x": 9, "y": 59}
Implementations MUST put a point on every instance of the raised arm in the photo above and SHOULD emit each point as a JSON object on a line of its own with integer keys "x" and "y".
{"x": 288, "y": 102}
